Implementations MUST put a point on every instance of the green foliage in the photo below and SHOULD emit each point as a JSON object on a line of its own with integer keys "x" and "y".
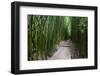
{"x": 79, "y": 34}
{"x": 46, "y": 32}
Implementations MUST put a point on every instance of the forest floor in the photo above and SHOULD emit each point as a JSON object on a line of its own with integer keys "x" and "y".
{"x": 65, "y": 50}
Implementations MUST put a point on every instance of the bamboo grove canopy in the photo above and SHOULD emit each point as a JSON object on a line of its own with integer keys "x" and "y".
{"x": 45, "y": 32}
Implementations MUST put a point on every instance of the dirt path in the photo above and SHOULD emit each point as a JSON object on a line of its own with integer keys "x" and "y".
{"x": 63, "y": 51}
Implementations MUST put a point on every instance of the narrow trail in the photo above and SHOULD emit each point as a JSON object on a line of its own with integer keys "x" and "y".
{"x": 63, "y": 52}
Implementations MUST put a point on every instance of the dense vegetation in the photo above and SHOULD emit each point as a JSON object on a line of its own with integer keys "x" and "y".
{"x": 46, "y": 32}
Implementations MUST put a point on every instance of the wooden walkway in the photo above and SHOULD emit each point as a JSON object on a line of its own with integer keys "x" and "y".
{"x": 63, "y": 52}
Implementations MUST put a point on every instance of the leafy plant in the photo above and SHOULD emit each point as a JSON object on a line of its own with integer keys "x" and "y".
{"x": 46, "y": 32}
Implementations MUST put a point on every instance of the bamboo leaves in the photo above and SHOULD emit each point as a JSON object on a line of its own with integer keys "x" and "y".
{"x": 79, "y": 34}
{"x": 46, "y": 32}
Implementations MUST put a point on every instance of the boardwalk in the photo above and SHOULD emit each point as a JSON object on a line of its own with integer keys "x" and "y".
{"x": 63, "y": 52}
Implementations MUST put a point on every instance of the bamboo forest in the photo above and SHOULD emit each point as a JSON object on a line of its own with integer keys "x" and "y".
{"x": 57, "y": 37}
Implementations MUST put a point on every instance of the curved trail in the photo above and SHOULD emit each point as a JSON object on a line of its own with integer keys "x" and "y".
{"x": 63, "y": 52}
